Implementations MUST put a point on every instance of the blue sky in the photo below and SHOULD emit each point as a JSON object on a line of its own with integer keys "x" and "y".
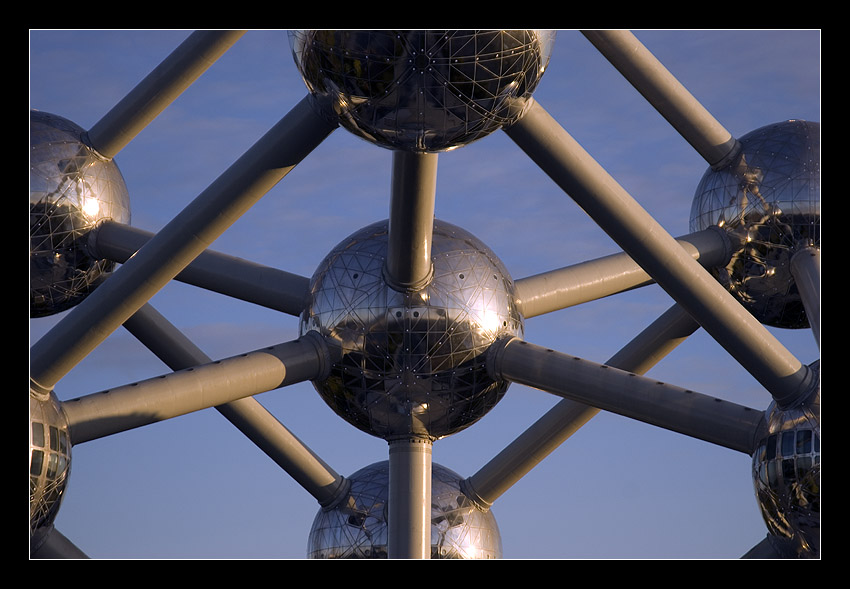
{"x": 194, "y": 487}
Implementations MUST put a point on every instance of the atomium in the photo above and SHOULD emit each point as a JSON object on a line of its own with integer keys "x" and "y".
{"x": 357, "y": 526}
{"x": 72, "y": 188}
{"x": 419, "y": 364}
{"x": 412, "y": 362}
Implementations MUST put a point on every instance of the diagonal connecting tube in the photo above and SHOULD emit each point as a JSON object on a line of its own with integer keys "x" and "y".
{"x": 177, "y": 244}
{"x": 643, "y": 238}
{"x": 568, "y": 416}
{"x": 194, "y": 388}
{"x": 247, "y": 414}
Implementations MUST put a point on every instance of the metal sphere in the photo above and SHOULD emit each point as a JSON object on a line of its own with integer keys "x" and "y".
{"x": 50, "y": 463}
{"x": 422, "y": 90}
{"x": 411, "y": 362}
{"x": 786, "y": 475}
{"x": 357, "y": 526}
{"x": 72, "y": 188}
{"x": 769, "y": 197}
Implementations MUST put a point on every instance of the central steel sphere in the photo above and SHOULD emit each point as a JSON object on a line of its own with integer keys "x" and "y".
{"x": 422, "y": 90}
{"x": 411, "y": 362}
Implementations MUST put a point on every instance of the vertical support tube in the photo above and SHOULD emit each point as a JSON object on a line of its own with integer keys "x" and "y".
{"x": 159, "y": 89}
{"x": 805, "y": 267}
{"x": 643, "y": 238}
{"x": 177, "y": 244}
{"x": 666, "y": 94}
{"x": 409, "y": 500}
{"x": 414, "y": 182}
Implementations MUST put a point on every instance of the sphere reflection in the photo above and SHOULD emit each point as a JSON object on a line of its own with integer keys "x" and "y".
{"x": 786, "y": 475}
{"x": 411, "y": 363}
{"x": 769, "y": 197}
{"x": 50, "y": 463}
{"x": 357, "y": 527}
{"x": 423, "y": 90}
{"x": 72, "y": 188}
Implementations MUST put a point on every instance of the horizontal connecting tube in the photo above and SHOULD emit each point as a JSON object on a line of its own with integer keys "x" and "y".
{"x": 609, "y": 275}
{"x": 568, "y": 416}
{"x": 192, "y": 389}
{"x": 178, "y": 243}
{"x": 626, "y": 393}
{"x": 246, "y": 414}
{"x": 643, "y": 238}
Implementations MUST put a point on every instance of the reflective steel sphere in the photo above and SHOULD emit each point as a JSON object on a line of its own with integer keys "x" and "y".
{"x": 769, "y": 197}
{"x": 71, "y": 189}
{"x": 357, "y": 527}
{"x": 411, "y": 362}
{"x": 422, "y": 90}
{"x": 50, "y": 463}
{"x": 786, "y": 475}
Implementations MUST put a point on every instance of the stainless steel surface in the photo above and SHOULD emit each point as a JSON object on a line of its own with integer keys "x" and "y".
{"x": 645, "y": 399}
{"x": 177, "y": 244}
{"x": 177, "y": 393}
{"x": 72, "y": 188}
{"x": 411, "y": 363}
{"x": 769, "y": 197}
{"x": 409, "y": 498}
{"x": 247, "y": 414}
{"x": 606, "y": 276}
{"x": 422, "y": 90}
{"x": 672, "y": 100}
{"x": 644, "y": 239}
{"x": 50, "y": 463}
{"x": 163, "y": 85}
{"x": 357, "y": 526}
{"x": 564, "y": 419}
{"x": 212, "y": 270}
{"x": 786, "y": 475}
{"x": 805, "y": 268}
{"x": 411, "y": 225}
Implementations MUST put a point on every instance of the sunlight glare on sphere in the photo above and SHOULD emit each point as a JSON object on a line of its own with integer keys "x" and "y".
{"x": 72, "y": 188}
{"x": 411, "y": 362}
{"x": 422, "y": 90}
